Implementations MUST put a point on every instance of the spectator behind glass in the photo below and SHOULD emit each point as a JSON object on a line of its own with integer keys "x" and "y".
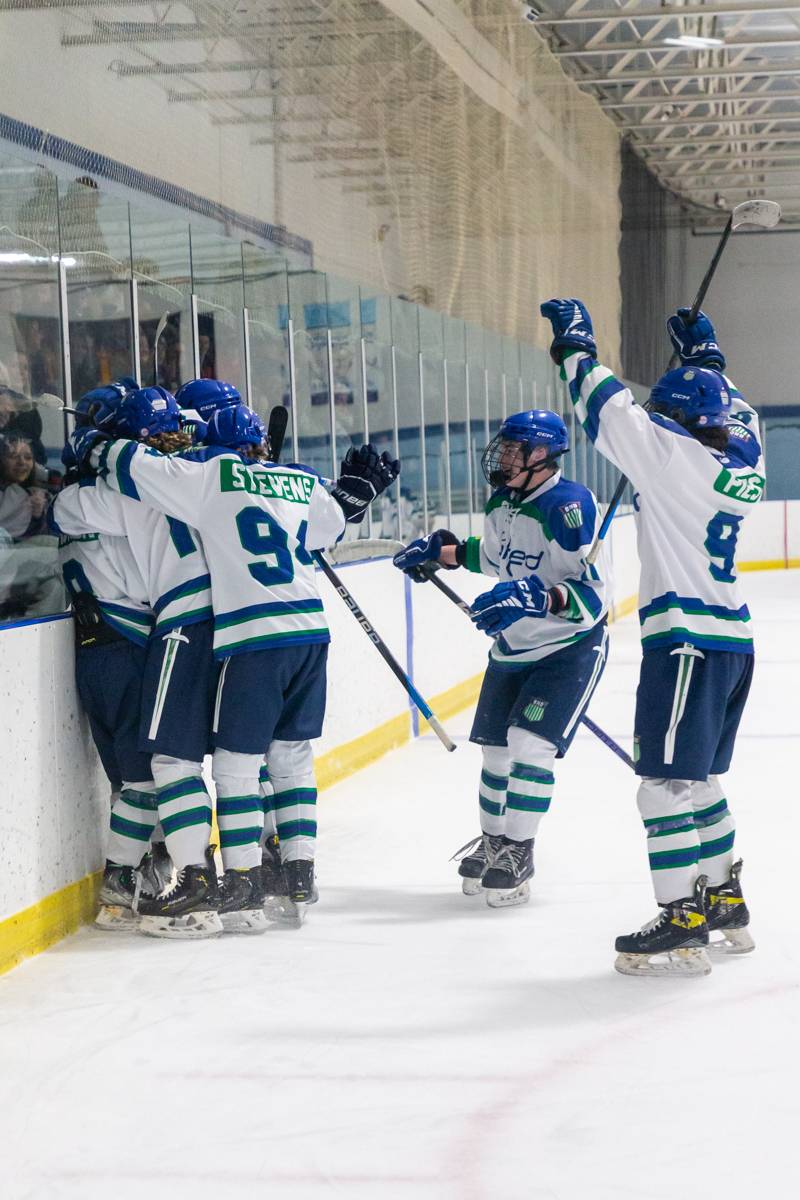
{"x": 24, "y": 486}
{"x": 19, "y": 417}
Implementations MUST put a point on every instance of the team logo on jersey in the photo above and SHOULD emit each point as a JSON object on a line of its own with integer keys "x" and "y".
{"x": 747, "y": 486}
{"x": 573, "y": 517}
{"x": 535, "y": 710}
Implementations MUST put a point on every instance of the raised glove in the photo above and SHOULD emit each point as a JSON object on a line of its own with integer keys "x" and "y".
{"x": 83, "y": 441}
{"x": 572, "y": 328}
{"x": 419, "y": 556}
{"x": 506, "y": 603}
{"x": 695, "y": 342}
{"x": 364, "y": 475}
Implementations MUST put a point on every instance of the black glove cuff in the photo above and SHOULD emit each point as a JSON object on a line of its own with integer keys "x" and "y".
{"x": 461, "y": 553}
{"x": 557, "y": 602}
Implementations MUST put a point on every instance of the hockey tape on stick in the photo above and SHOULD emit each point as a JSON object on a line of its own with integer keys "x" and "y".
{"x": 757, "y": 214}
{"x": 590, "y": 725}
{"x": 363, "y": 549}
{"x": 384, "y": 651}
{"x": 276, "y": 430}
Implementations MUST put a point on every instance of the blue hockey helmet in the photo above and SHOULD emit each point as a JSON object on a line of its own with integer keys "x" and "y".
{"x": 235, "y": 427}
{"x": 97, "y": 406}
{"x": 695, "y": 397}
{"x": 207, "y": 396}
{"x": 146, "y": 413}
{"x": 536, "y": 427}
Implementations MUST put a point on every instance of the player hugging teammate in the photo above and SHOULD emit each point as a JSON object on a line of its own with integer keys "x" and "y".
{"x": 221, "y": 541}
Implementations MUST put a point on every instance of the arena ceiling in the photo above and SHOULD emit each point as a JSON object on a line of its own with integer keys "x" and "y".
{"x": 707, "y": 93}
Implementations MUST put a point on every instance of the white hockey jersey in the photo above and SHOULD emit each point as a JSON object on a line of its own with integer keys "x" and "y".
{"x": 258, "y": 524}
{"x": 690, "y": 505}
{"x": 546, "y": 533}
{"x": 168, "y": 553}
{"x": 104, "y": 567}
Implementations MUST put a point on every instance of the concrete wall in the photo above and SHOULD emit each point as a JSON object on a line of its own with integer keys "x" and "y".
{"x": 54, "y": 803}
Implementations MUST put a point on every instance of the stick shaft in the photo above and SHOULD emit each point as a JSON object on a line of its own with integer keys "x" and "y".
{"x": 383, "y": 650}
{"x": 695, "y": 309}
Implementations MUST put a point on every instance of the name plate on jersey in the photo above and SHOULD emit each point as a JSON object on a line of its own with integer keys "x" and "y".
{"x": 277, "y": 485}
{"x": 749, "y": 488}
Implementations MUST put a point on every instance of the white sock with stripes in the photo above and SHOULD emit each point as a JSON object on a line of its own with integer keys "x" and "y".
{"x": 291, "y": 769}
{"x": 184, "y": 809}
{"x": 716, "y": 828}
{"x": 530, "y": 783}
{"x": 492, "y": 790}
{"x": 268, "y": 801}
{"x": 134, "y": 816}
{"x": 673, "y": 844}
{"x": 240, "y": 810}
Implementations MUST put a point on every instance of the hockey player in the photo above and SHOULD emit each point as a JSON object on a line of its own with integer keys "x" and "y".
{"x": 548, "y": 619}
{"x": 112, "y": 625}
{"x": 259, "y": 525}
{"x": 695, "y": 464}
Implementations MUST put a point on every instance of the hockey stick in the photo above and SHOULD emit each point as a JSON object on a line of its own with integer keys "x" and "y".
{"x": 162, "y": 324}
{"x": 587, "y": 721}
{"x": 762, "y": 214}
{"x": 384, "y": 650}
{"x": 276, "y": 430}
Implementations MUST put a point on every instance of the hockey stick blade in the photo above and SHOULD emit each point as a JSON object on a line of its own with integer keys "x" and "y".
{"x": 362, "y": 550}
{"x": 276, "y": 430}
{"x": 761, "y": 214}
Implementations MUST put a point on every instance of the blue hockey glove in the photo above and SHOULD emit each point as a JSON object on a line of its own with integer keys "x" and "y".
{"x": 506, "y": 603}
{"x": 83, "y": 441}
{"x": 364, "y": 475}
{"x": 696, "y": 343}
{"x": 572, "y": 328}
{"x": 419, "y": 556}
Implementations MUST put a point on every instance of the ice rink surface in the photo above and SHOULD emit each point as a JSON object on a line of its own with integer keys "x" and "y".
{"x": 411, "y": 1044}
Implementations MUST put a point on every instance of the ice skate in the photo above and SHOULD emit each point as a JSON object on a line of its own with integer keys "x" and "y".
{"x": 240, "y": 901}
{"x": 116, "y": 898}
{"x": 156, "y": 869}
{"x": 301, "y": 891}
{"x": 505, "y": 881}
{"x": 189, "y": 909}
{"x": 478, "y": 854}
{"x": 728, "y": 915}
{"x": 273, "y": 879}
{"x": 673, "y": 943}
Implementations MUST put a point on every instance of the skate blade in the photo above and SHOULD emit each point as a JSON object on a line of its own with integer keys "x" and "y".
{"x": 497, "y": 899}
{"x": 250, "y": 920}
{"x": 732, "y": 941}
{"x": 193, "y": 926}
{"x": 692, "y": 961}
{"x": 290, "y": 912}
{"x": 116, "y": 917}
{"x": 471, "y": 887}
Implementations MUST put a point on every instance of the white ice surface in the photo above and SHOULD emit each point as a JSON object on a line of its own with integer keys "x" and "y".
{"x": 411, "y": 1044}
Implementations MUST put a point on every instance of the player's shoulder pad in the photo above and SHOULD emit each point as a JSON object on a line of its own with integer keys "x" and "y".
{"x": 203, "y": 454}
{"x": 569, "y": 511}
{"x": 668, "y": 424}
{"x": 743, "y": 448}
{"x": 297, "y": 467}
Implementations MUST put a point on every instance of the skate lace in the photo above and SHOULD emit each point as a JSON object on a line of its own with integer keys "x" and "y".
{"x": 657, "y": 920}
{"x": 509, "y": 857}
{"x": 467, "y": 848}
{"x": 170, "y": 891}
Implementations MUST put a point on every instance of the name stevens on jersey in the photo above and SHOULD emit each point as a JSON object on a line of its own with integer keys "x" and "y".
{"x": 748, "y": 488}
{"x": 277, "y": 485}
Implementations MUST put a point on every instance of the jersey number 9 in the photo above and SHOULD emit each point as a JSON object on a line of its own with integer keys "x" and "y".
{"x": 721, "y": 534}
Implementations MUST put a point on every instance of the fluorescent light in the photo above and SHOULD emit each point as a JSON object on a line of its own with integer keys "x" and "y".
{"x": 694, "y": 43}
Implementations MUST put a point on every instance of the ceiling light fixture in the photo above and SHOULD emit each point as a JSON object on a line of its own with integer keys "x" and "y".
{"x": 690, "y": 42}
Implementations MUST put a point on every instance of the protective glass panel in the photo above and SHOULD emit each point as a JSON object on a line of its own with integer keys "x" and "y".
{"x": 308, "y": 313}
{"x": 161, "y": 257}
{"x": 31, "y": 420}
{"x": 478, "y": 416}
{"x": 266, "y": 298}
{"x": 460, "y": 468}
{"x": 405, "y": 339}
{"x": 96, "y": 250}
{"x": 376, "y": 330}
{"x": 437, "y": 473}
{"x": 218, "y": 283}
